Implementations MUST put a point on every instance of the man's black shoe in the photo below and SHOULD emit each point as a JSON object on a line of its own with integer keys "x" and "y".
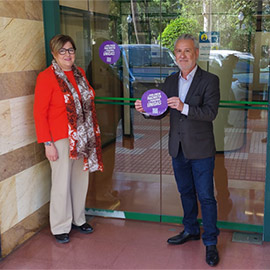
{"x": 62, "y": 238}
{"x": 212, "y": 257}
{"x": 85, "y": 228}
{"x": 182, "y": 238}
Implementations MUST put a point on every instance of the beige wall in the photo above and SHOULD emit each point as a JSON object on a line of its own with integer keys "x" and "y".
{"x": 25, "y": 174}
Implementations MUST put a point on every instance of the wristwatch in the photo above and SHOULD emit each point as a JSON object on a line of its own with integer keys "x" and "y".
{"x": 49, "y": 143}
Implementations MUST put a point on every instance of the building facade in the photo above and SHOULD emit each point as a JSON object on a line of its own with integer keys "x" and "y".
{"x": 138, "y": 180}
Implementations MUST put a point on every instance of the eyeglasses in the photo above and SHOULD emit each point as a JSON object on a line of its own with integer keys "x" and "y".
{"x": 63, "y": 51}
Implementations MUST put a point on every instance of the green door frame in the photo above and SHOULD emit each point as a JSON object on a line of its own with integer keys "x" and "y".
{"x": 266, "y": 225}
{"x": 51, "y": 17}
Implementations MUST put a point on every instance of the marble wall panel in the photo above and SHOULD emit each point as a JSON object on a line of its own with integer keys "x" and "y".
{"x": 29, "y": 9}
{"x": 22, "y": 121}
{"x": 5, "y": 126}
{"x": 34, "y": 10}
{"x": 39, "y": 152}
{"x": 25, "y": 229}
{"x": 8, "y": 204}
{"x": 23, "y": 194}
{"x": 17, "y": 84}
{"x": 18, "y": 127}
{"x": 22, "y": 46}
{"x": 25, "y": 173}
{"x": 21, "y": 159}
{"x": 32, "y": 189}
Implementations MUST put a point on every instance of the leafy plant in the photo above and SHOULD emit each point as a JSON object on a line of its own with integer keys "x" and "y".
{"x": 177, "y": 27}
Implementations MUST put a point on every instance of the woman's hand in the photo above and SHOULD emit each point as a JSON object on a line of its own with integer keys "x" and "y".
{"x": 175, "y": 103}
{"x": 138, "y": 106}
{"x": 51, "y": 152}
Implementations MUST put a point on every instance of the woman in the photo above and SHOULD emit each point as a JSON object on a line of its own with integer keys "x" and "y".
{"x": 66, "y": 123}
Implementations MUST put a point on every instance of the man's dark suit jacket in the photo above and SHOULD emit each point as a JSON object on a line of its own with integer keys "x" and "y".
{"x": 194, "y": 131}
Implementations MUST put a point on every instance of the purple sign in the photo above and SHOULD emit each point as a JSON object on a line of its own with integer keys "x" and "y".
{"x": 154, "y": 102}
{"x": 109, "y": 52}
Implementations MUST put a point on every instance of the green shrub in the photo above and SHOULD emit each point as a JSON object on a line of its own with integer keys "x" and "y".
{"x": 176, "y": 28}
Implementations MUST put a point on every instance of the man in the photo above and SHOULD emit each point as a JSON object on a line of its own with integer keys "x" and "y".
{"x": 193, "y": 99}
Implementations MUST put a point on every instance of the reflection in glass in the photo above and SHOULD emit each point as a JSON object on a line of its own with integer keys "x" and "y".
{"x": 138, "y": 176}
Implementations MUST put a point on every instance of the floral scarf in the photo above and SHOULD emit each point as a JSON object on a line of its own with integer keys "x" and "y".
{"x": 83, "y": 129}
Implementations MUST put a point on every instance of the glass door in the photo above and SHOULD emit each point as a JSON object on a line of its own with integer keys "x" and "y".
{"x": 238, "y": 52}
{"x": 130, "y": 183}
{"x": 138, "y": 180}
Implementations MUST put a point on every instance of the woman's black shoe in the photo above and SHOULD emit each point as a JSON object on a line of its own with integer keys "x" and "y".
{"x": 62, "y": 238}
{"x": 85, "y": 228}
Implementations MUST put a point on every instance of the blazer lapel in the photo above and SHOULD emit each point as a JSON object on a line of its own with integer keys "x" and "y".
{"x": 195, "y": 82}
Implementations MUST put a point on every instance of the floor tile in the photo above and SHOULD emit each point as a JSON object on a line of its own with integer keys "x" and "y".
{"x": 127, "y": 244}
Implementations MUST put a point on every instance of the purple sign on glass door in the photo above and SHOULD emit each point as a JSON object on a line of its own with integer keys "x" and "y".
{"x": 109, "y": 52}
{"x": 154, "y": 102}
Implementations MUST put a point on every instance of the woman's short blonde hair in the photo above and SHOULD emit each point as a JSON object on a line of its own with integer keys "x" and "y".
{"x": 58, "y": 41}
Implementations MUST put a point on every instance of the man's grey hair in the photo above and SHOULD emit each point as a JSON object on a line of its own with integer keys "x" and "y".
{"x": 188, "y": 37}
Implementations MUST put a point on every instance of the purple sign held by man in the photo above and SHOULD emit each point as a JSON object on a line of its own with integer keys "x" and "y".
{"x": 109, "y": 52}
{"x": 154, "y": 102}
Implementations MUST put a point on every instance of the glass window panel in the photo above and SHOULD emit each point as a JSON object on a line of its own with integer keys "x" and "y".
{"x": 138, "y": 175}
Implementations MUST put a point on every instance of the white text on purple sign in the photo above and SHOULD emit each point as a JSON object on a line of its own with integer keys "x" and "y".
{"x": 109, "y": 50}
{"x": 154, "y": 100}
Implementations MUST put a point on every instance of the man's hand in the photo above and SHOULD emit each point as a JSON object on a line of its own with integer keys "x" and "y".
{"x": 51, "y": 152}
{"x": 175, "y": 103}
{"x": 138, "y": 106}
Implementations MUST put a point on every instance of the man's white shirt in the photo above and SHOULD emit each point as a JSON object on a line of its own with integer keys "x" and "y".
{"x": 183, "y": 87}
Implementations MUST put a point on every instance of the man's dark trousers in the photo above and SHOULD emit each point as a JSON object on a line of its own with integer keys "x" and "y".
{"x": 195, "y": 176}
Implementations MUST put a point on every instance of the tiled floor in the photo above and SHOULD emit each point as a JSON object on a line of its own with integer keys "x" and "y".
{"x": 126, "y": 244}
